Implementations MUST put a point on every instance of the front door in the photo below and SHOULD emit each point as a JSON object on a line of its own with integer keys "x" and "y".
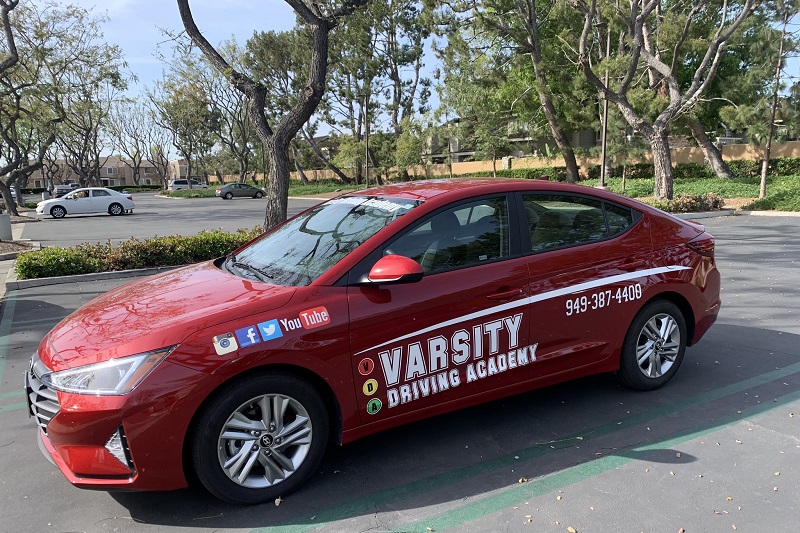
{"x": 460, "y": 331}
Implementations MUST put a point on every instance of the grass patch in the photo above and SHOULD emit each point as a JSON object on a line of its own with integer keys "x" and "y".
{"x": 783, "y": 192}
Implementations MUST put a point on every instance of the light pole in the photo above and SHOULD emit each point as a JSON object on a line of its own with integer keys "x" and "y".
{"x": 604, "y": 134}
{"x": 366, "y": 141}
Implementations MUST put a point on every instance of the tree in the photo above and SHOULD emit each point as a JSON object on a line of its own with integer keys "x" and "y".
{"x": 649, "y": 22}
{"x": 127, "y": 126}
{"x": 276, "y": 141}
{"x": 519, "y": 45}
{"x": 183, "y": 109}
{"x": 410, "y": 146}
{"x": 56, "y": 55}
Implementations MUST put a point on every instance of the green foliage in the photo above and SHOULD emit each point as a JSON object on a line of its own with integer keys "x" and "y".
{"x": 779, "y": 201}
{"x": 50, "y": 262}
{"x": 688, "y": 171}
{"x": 131, "y": 254}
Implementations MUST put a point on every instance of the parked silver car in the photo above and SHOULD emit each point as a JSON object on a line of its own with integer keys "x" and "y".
{"x": 226, "y": 192}
{"x": 178, "y": 185}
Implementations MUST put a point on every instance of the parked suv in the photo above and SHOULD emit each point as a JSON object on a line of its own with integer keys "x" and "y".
{"x": 177, "y": 185}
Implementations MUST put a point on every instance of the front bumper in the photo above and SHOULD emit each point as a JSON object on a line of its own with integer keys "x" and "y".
{"x": 153, "y": 420}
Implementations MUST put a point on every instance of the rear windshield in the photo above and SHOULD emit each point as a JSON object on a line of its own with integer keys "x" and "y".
{"x": 301, "y": 250}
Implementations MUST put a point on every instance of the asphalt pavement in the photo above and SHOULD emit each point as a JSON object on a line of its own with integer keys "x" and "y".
{"x": 718, "y": 449}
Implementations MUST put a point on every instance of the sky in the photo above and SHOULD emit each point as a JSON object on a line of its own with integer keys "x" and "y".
{"x": 135, "y": 25}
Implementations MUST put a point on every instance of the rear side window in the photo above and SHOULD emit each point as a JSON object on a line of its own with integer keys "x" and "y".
{"x": 560, "y": 220}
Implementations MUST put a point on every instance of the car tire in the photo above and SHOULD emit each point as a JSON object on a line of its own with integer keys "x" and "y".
{"x": 115, "y": 209}
{"x": 258, "y": 194}
{"x": 654, "y": 346}
{"x": 264, "y": 459}
{"x": 58, "y": 212}
{"x": 227, "y": 196}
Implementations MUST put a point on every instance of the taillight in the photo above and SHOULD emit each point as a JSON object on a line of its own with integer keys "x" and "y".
{"x": 129, "y": 197}
{"x": 703, "y": 244}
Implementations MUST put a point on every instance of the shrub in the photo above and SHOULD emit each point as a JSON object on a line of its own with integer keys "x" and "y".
{"x": 50, "y": 262}
{"x": 554, "y": 173}
{"x": 689, "y": 203}
{"x": 132, "y": 254}
{"x": 745, "y": 169}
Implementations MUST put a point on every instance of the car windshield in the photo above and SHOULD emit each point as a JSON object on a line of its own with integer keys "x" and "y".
{"x": 301, "y": 250}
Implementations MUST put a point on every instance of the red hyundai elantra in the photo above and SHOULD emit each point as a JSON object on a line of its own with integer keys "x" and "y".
{"x": 368, "y": 311}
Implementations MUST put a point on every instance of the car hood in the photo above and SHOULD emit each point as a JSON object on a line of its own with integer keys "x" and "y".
{"x": 155, "y": 312}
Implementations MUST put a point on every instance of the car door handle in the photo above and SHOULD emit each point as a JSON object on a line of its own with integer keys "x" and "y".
{"x": 507, "y": 295}
{"x": 632, "y": 265}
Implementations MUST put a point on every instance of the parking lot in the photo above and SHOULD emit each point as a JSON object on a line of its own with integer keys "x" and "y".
{"x": 718, "y": 449}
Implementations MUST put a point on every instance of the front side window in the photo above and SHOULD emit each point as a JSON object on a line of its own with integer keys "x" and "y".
{"x": 301, "y": 250}
{"x": 461, "y": 236}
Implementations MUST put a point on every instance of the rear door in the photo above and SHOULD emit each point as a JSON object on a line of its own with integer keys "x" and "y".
{"x": 589, "y": 262}
{"x": 101, "y": 200}
{"x": 460, "y": 331}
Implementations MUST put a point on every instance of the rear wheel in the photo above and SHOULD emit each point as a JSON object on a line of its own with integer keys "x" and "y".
{"x": 115, "y": 209}
{"x": 58, "y": 212}
{"x": 259, "y": 194}
{"x": 654, "y": 346}
{"x": 259, "y": 438}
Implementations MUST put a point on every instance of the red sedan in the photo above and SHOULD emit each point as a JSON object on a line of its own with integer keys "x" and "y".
{"x": 368, "y": 311}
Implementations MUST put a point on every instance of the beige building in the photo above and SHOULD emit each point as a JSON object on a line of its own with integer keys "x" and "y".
{"x": 113, "y": 171}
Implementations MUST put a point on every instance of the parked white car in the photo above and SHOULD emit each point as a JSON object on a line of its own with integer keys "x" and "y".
{"x": 88, "y": 200}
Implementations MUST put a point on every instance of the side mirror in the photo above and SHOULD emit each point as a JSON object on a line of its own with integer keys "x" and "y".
{"x": 395, "y": 269}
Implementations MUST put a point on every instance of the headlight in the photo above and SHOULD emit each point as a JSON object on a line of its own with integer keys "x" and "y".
{"x": 109, "y": 378}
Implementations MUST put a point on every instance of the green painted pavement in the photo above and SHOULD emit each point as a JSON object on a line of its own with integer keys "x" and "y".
{"x": 368, "y": 504}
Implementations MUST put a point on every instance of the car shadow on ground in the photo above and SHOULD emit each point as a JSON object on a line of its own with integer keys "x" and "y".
{"x": 520, "y": 445}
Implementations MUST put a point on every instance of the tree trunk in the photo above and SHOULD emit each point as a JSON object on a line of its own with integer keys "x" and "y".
{"x": 278, "y": 188}
{"x": 299, "y": 169}
{"x": 662, "y": 161}
{"x": 562, "y": 141}
{"x": 314, "y": 146}
{"x": 710, "y": 151}
{"x": 494, "y": 167}
{"x": 11, "y": 206}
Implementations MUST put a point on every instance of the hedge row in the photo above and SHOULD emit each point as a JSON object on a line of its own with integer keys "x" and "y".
{"x": 131, "y": 254}
{"x": 784, "y": 166}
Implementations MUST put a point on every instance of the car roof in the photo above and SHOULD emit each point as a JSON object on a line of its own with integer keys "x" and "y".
{"x": 452, "y": 189}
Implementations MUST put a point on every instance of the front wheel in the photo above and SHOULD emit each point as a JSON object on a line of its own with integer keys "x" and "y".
{"x": 228, "y": 196}
{"x": 260, "y": 438}
{"x": 58, "y": 212}
{"x": 115, "y": 209}
{"x": 654, "y": 346}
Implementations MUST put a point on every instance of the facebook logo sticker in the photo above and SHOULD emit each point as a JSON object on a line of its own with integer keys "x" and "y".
{"x": 270, "y": 330}
{"x": 248, "y": 336}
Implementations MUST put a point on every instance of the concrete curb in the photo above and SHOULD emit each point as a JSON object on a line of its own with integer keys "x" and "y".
{"x": 12, "y": 283}
{"x": 706, "y": 214}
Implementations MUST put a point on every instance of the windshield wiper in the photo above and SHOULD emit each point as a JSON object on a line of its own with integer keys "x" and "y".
{"x": 260, "y": 274}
